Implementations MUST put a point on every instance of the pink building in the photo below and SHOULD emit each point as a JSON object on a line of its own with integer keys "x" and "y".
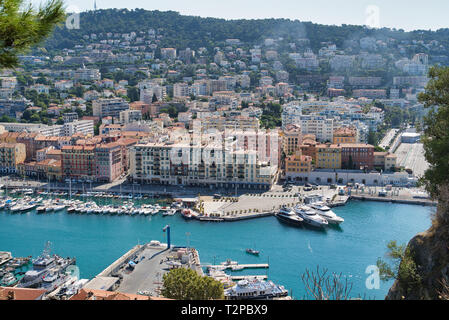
{"x": 109, "y": 162}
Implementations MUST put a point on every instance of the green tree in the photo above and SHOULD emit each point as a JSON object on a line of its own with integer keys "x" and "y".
{"x": 133, "y": 94}
{"x": 436, "y": 135}
{"x": 186, "y": 284}
{"x": 403, "y": 266}
{"x": 22, "y": 26}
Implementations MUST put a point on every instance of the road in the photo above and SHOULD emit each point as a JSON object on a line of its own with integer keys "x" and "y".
{"x": 388, "y": 139}
{"x": 411, "y": 156}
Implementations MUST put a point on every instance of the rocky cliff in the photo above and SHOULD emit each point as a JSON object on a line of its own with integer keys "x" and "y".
{"x": 429, "y": 256}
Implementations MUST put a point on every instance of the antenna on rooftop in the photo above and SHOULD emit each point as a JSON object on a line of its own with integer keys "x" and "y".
{"x": 95, "y": 5}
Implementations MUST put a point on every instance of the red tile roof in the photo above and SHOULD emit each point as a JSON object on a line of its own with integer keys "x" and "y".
{"x": 7, "y": 293}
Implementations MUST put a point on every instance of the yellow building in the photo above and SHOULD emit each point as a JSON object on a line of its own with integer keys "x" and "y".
{"x": 328, "y": 156}
{"x": 345, "y": 135}
{"x": 296, "y": 164}
{"x": 11, "y": 154}
{"x": 385, "y": 161}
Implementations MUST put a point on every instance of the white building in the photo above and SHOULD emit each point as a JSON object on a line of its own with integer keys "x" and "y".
{"x": 79, "y": 126}
{"x": 181, "y": 90}
{"x": 84, "y": 74}
{"x": 321, "y": 127}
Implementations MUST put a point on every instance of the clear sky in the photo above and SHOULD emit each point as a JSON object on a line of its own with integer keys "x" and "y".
{"x": 400, "y": 14}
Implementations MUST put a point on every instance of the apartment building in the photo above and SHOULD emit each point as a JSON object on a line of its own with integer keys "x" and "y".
{"x": 225, "y": 123}
{"x": 357, "y": 156}
{"x": 296, "y": 165}
{"x": 412, "y": 81}
{"x": 78, "y": 162}
{"x": 200, "y": 165}
{"x": 85, "y": 74}
{"x": 328, "y": 156}
{"x": 181, "y": 90}
{"x": 218, "y": 85}
{"x": 370, "y": 93}
{"x": 70, "y": 117}
{"x": 11, "y": 155}
{"x": 129, "y": 116}
{"x": 108, "y": 162}
{"x": 309, "y": 146}
{"x": 336, "y": 82}
{"x": 109, "y": 107}
{"x": 343, "y": 135}
{"x": 85, "y": 127}
{"x": 291, "y": 139}
{"x": 168, "y": 53}
{"x": 49, "y": 169}
{"x": 385, "y": 161}
{"x": 321, "y": 127}
{"x": 365, "y": 81}
{"x": 145, "y": 109}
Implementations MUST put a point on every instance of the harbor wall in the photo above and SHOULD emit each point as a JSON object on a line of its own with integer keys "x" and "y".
{"x": 423, "y": 202}
{"x": 116, "y": 265}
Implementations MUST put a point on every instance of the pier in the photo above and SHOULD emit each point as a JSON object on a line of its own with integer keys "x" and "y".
{"x": 141, "y": 269}
{"x": 5, "y": 257}
{"x": 422, "y": 202}
{"x": 244, "y": 266}
{"x": 238, "y": 278}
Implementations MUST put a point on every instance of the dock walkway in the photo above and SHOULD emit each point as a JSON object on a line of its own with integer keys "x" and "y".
{"x": 237, "y": 278}
{"x": 244, "y": 266}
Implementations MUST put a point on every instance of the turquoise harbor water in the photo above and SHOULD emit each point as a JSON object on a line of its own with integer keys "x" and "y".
{"x": 96, "y": 240}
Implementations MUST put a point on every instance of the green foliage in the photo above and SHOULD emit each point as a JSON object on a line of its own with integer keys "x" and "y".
{"x": 403, "y": 266}
{"x": 22, "y": 26}
{"x": 396, "y": 116}
{"x": 133, "y": 94}
{"x": 173, "y": 110}
{"x": 194, "y": 32}
{"x": 271, "y": 116}
{"x": 186, "y": 284}
{"x": 395, "y": 253}
{"x": 5, "y": 118}
{"x": 77, "y": 91}
{"x": 97, "y": 128}
{"x": 435, "y": 128}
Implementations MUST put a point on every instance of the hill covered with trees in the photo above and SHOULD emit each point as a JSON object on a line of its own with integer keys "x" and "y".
{"x": 182, "y": 31}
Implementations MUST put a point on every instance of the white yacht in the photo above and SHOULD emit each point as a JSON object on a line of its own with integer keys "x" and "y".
{"x": 326, "y": 213}
{"x": 310, "y": 216}
{"x": 170, "y": 212}
{"x": 53, "y": 279}
{"x": 255, "y": 289}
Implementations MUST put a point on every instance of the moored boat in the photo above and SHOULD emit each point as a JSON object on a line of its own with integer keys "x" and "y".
{"x": 311, "y": 217}
{"x": 326, "y": 212}
{"x": 287, "y": 215}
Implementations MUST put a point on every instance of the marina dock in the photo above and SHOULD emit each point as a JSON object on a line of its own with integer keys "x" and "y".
{"x": 244, "y": 266}
{"x": 238, "y": 278}
{"x": 422, "y": 202}
{"x": 5, "y": 257}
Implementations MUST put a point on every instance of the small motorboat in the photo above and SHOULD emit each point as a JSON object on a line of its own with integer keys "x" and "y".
{"x": 253, "y": 252}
